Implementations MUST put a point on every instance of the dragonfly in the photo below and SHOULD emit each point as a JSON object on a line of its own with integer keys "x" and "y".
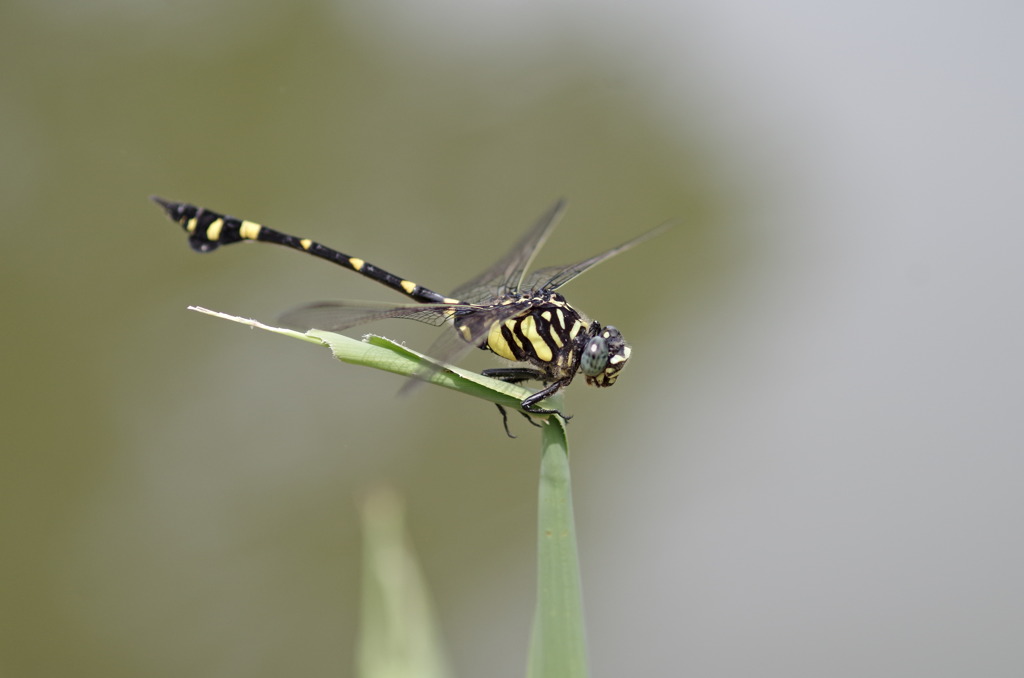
{"x": 519, "y": 316}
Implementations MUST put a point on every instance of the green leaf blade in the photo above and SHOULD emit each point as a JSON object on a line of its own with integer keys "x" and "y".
{"x": 558, "y": 646}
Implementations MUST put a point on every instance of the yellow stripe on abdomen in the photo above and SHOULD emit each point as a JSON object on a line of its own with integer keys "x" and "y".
{"x": 249, "y": 230}
{"x": 214, "y": 229}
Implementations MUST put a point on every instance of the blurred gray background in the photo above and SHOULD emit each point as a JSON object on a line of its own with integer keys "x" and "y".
{"x": 813, "y": 465}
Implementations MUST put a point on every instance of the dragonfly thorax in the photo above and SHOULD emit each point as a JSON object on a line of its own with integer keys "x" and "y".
{"x": 542, "y": 329}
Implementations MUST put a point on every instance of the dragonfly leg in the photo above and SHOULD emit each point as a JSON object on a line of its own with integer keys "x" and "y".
{"x": 529, "y": 403}
{"x": 514, "y": 375}
{"x": 504, "y": 419}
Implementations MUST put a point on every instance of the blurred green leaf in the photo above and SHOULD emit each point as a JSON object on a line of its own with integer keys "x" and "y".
{"x": 399, "y": 636}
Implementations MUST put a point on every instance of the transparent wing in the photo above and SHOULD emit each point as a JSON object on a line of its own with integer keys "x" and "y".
{"x": 449, "y": 348}
{"x": 553, "y": 277}
{"x": 342, "y": 315}
{"x": 507, "y": 273}
{"x": 475, "y": 321}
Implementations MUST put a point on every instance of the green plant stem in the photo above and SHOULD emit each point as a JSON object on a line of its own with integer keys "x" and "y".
{"x": 558, "y": 641}
{"x": 558, "y": 645}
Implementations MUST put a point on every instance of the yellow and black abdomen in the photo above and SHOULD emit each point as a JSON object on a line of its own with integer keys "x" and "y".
{"x": 207, "y": 230}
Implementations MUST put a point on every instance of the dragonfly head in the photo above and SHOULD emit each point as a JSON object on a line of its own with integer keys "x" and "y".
{"x": 604, "y": 356}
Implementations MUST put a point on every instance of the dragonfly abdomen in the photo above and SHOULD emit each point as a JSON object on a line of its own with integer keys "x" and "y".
{"x": 207, "y": 230}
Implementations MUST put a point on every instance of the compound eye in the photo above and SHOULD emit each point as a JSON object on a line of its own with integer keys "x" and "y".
{"x": 595, "y": 357}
